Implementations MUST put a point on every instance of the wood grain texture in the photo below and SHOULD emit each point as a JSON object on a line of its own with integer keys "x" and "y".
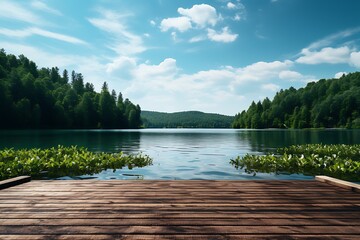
{"x": 14, "y": 181}
{"x": 92, "y": 209}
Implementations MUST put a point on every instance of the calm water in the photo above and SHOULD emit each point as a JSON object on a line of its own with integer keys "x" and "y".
{"x": 180, "y": 153}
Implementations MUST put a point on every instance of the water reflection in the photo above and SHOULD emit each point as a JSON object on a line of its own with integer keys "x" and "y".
{"x": 180, "y": 153}
{"x": 94, "y": 140}
{"x": 268, "y": 140}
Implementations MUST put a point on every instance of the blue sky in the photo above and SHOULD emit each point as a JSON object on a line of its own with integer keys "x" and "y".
{"x": 172, "y": 55}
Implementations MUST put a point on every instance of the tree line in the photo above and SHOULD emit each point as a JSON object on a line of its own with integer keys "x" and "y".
{"x": 32, "y": 98}
{"x": 332, "y": 103}
{"x": 189, "y": 119}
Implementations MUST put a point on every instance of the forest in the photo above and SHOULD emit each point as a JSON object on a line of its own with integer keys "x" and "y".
{"x": 189, "y": 119}
{"x": 32, "y": 98}
{"x": 332, "y": 103}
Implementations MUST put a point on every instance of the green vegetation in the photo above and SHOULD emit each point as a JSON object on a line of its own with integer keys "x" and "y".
{"x": 339, "y": 161}
{"x": 63, "y": 161}
{"x": 191, "y": 119}
{"x": 333, "y": 103}
{"x": 41, "y": 98}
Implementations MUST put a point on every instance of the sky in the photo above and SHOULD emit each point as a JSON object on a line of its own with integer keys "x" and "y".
{"x": 174, "y": 55}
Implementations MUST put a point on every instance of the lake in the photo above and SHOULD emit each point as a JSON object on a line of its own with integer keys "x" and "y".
{"x": 180, "y": 153}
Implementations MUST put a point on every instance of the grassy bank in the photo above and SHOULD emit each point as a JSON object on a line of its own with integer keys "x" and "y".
{"x": 339, "y": 161}
{"x": 64, "y": 161}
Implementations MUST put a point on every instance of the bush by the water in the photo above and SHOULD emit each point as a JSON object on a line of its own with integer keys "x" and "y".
{"x": 340, "y": 161}
{"x": 64, "y": 161}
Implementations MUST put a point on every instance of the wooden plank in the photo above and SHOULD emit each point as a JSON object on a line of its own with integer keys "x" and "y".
{"x": 14, "y": 181}
{"x": 189, "y": 200}
{"x": 177, "y": 237}
{"x": 189, "y": 230}
{"x": 340, "y": 183}
{"x": 178, "y": 210}
{"x": 240, "y": 215}
{"x": 179, "y": 222}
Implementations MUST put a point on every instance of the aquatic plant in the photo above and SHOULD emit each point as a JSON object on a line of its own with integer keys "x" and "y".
{"x": 340, "y": 161}
{"x": 64, "y": 161}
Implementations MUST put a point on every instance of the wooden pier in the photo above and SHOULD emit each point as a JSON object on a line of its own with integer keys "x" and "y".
{"x": 93, "y": 209}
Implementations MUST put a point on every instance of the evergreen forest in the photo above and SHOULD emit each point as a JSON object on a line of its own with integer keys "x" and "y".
{"x": 332, "y": 103}
{"x": 189, "y": 119}
{"x": 32, "y": 98}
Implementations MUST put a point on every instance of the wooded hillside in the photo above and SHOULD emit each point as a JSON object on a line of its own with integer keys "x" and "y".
{"x": 42, "y": 98}
{"x": 332, "y": 103}
{"x": 191, "y": 119}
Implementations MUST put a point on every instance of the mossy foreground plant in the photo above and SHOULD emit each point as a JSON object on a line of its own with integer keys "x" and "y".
{"x": 340, "y": 161}
{"x": 64, "y": 161}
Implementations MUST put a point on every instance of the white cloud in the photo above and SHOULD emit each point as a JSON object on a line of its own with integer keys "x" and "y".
{"x": 37, "y": 31}
{"x": 329, "y": 40}
{"x": 12, "y": 10}
{"x": 339, "y": 74}
{"x": 230, "y": 5}
{"x": 355, "y": 59}
{"x": 202, "y": 15}
{"x": 124, "y": 41}
{"x": 224, "y": 36}
{"x": 174, "y": 36}
{"x": 238, "y": 8}
{"x": 237, "y": 17}
{"x": 199, "y": 17}
{"x": 270, "y": 87}
{"x": 197, "y": 39}
{"x": 261, "y": 71}
{"x": 43, "y": 7}
{"x": 165, "y": 69}
{"x": 325, "y": 55}
{"x": 162, "y": 84}
{"x": 121, "y": 63}
{"x": 289, "y": 75}
{"x": 181, "y": 24}
{"x": 152, "y": 22}
{"x": 43, "y": 58}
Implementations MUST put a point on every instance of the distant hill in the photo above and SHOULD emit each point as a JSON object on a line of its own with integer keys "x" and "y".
{"x": 190, "y": 119}
{"x": 332, "y": 103}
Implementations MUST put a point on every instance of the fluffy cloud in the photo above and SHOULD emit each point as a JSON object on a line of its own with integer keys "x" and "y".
{"x": 166, "y": 69}
{"x": 230, "y": 5}
{"x": 263, "y": 70}
{"x": 163, "y": 84}
{"x": 156, "y": 84}
{"x": 181, "y": 24}
{"x": 202, "y": 15}
{"x": 325, "y": 55}
{"x": 355, "y": 59}
{"x": 224, "y": 36}
{"x": 331, "y": 56}
{"x": 120, "y": 63}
